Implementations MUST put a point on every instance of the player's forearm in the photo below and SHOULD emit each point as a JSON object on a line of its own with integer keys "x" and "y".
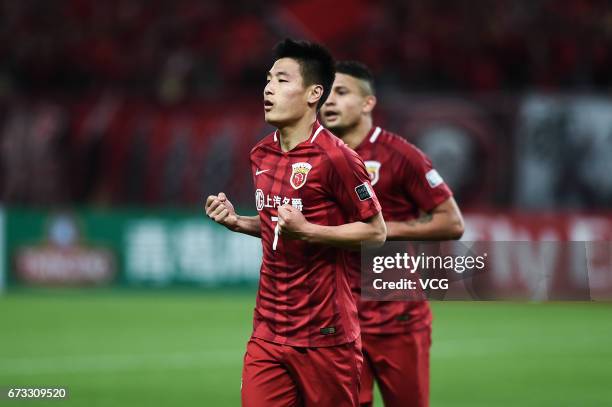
{"x": 444, "y": 222}
{"x": 348, "y": 236}
{"x": 430, "y": 226}
{"x": 249, "y": 225}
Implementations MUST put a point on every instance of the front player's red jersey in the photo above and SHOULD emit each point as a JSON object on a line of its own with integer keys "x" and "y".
{"x": 304, "y": 296}
{"x": 404, "y": 182}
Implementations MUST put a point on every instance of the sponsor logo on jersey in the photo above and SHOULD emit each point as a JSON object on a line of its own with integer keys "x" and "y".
{"x": 373, "y": 168}
{"x": 263, "y": 200}
{"x": 299, "y": 173}
{"x": 433, "y": 178}
{"x": 259, "y": 199}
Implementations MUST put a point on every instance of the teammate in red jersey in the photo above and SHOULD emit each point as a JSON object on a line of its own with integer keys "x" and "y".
{"x": 314, "y": 199}
{"x": 417, "y": 205}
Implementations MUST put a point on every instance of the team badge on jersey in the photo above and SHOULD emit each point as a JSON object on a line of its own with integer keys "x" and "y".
{"x": 373, "y": 168}
{"x": 299, "y": 173}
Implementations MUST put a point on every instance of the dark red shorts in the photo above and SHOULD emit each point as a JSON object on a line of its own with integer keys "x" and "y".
{"x": 276, "y": 375}
{"x": 400, "y": 365}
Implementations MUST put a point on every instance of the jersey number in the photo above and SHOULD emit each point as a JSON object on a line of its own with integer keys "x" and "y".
{"x": 276, "y": 231}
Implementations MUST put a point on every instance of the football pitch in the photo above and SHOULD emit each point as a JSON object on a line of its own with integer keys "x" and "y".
{"x": 185, "y": 348}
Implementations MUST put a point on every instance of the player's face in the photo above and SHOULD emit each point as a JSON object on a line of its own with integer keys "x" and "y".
{"x": 285, "y": 96}
{"x": 345, "y": 105}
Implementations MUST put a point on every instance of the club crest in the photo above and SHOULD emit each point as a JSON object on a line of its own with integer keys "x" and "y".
{"x": 373, "y": 168}
{"x": 299, "y": 173}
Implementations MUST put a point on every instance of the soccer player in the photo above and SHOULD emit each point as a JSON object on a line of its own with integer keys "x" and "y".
{"x": 314, "y": 201}
{"x": 417, "y": 205}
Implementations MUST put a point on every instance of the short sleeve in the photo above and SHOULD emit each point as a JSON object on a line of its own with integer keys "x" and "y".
{"x": 349, "y": 184}
{"x": 420, "y": 181}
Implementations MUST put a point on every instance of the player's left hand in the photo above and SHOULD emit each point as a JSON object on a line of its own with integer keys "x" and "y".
{"x": 291, "y": 222}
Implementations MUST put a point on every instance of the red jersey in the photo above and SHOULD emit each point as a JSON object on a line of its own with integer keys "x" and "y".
{"x": 304, "y": 296}
{"x": 404, "y": 181}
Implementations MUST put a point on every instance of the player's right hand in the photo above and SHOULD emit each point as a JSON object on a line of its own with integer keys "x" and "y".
{"x": 221, "y": 210}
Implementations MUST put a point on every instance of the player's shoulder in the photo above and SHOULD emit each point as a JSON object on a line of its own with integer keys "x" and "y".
{"x": 398, "y": 145}
{"x": 333, "y": 147}
{"x": 324, "y": 138}
{"x": 392, "y": 140}
{"x": 268, "y": 141}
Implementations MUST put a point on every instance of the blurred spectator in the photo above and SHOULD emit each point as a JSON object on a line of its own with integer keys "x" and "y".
{"x": 157, "y": 102}
{"x": 167, "y": 47}
{"x": 34, "y": 153}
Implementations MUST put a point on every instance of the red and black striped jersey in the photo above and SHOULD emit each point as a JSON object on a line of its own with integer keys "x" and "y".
{"x": 405, "y": 182}
{"x": 304, "y": 296}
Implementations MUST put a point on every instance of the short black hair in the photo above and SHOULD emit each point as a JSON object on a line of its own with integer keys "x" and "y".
{"x": 357, "y": 70}
{"x": 316, "y": 63}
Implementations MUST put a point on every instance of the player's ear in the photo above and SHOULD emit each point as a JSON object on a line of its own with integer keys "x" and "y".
{"x": 369, "y": 104}
{"x": 315, "y": 93}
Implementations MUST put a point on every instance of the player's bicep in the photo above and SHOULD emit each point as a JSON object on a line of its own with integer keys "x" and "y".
{"x": 350, "y": 185}
{"x": 422, "y": 182}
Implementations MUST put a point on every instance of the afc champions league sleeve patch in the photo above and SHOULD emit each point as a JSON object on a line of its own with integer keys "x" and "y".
{"x": 433, "y": 178}
{"x": 364, "y": 191}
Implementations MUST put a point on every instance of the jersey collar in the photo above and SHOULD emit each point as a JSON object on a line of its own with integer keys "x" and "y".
{"x": 370, "y": 138}
{"x": 317, "y": 128}
{"x": 374, "y": 133}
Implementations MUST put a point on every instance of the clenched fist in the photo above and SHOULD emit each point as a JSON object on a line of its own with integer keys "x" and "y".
{"x": 221, "y": 210}
{"x": 291, "y": 222}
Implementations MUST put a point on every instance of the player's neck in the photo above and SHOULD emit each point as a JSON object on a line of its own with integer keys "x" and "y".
{"x": 293, "y": 134}
{"x": 354, "y": 136}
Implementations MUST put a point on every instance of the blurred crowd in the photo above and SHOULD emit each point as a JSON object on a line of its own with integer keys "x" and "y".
{"x": 182, "y": 48}
{"x": 157, "y": 102}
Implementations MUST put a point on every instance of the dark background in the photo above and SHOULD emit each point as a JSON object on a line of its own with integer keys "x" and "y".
{"x": 157, "y": 103}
